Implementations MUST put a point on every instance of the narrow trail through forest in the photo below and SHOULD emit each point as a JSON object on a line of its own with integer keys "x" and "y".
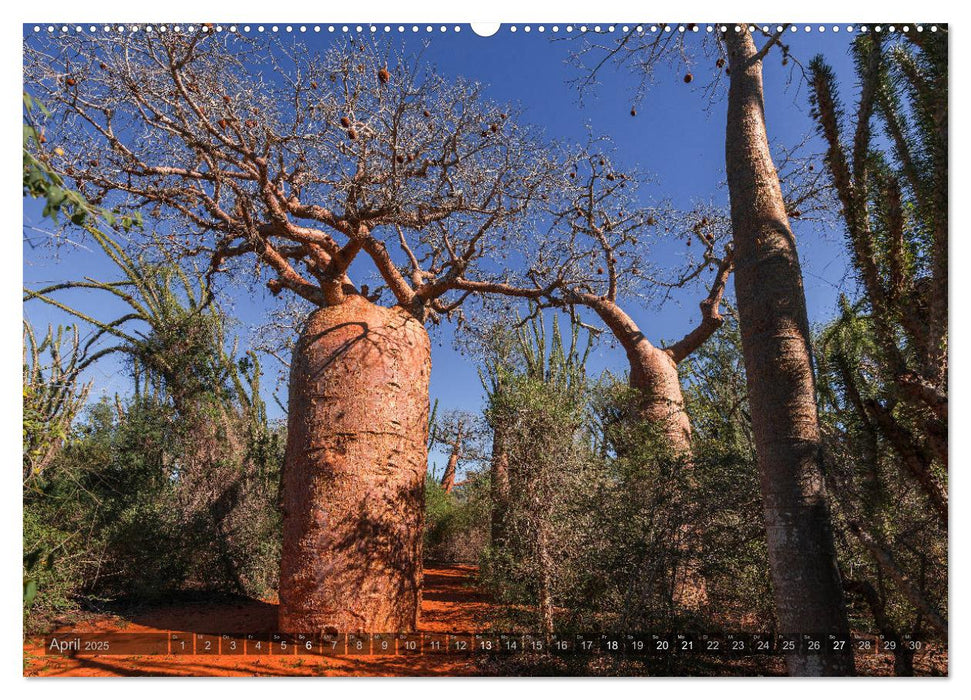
{"x": 451, "y": 603}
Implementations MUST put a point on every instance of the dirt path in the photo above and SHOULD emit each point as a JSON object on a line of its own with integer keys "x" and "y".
{"x": 451, "y": 603}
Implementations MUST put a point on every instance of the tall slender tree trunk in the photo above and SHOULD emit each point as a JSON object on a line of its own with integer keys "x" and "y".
{"x": 353, "y": 485}
{"x": 775, "y": 344}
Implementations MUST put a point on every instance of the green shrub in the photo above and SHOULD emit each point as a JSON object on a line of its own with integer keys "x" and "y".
{"x": 456, "y": 523}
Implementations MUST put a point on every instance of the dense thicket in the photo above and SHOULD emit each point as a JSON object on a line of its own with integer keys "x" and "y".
{"x": 603, "y": 526}
{"x": 171, "y": 485}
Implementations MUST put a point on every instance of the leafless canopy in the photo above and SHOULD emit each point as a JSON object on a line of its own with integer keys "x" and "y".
{"x": 600, "y": 244}
{"x": 306, "y": 161}
{"x": 613, "y": 238}
{"x": 647, "y": 46}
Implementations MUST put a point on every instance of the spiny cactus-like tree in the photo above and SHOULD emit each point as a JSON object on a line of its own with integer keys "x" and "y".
{"x": 889, "y": 522}
{"x": 171, "y": 333}
{"x": 536, "y": 388}
{"x": 896, "y": 216}
{"x": 173, "y": 337}
{"x": 53, "y": 395}
{"x": 512, "y": 354}
{"x": 305, "y": 164}
{"x": 884, "y": 361}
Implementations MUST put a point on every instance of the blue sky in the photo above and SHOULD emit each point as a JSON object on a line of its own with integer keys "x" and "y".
{"x": 677, "y": 137}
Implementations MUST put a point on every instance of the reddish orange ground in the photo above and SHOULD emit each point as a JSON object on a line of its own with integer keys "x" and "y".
{"x": 450, "y": 604}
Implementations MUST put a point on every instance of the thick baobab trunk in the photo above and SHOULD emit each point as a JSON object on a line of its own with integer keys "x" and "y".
{"x": 654, "y": 371}
{"x": 655, "y": 376}
{"x": 353, "y": 482}
{"x": 778, "y": 367}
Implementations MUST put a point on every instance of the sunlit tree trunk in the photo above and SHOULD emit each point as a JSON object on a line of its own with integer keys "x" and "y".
{"x": 448, "y": 478}
{"x": 775, "y": 343}
{"x": 654, "y": 370}
{"x": 353, "y": 486}
{"x": 654, "y": 374}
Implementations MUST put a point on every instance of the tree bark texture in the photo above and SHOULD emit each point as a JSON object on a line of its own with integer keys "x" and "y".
{"x": 448, "y": 478}
{"x": 353, "y": 484}
{"x": 775, "y": 343}
{"x": 654, "y": 374}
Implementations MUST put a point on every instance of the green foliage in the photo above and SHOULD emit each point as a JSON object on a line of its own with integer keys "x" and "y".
{"x": 716, "y": 395}
{"x": 883, "y": 364}
{"x": 874, "y": 491}
{"x": 52, "y": 395}
{"x": 183, "y": 352}
{"x": 606, "y": 527}
{"x": 542, "y": 421}
{"x": 41, "y": 181}
{"x": 684, "y": 534}
{"x": 725, "y": 497}
{"x": 536, "y": 400}
{"x": 142, "y": 501}
{"x": 173, "y": 488}
{"x": 454, "y": 522}
{"x": 50, "y": 576}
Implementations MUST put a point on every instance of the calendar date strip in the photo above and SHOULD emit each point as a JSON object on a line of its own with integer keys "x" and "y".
{"x": 420, "y": 643}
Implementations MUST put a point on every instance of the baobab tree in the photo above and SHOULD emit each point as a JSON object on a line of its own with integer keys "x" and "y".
{"x": 600, "y": 251}
{"x": 597, "y": 255}
{"x": 305, "y": 165}
{"x": 456, "y": 431}
{"x": 774, "y": 327}
{"x": 602, "y": 237}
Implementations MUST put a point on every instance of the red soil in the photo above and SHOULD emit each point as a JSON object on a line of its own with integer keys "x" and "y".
{"x": 450, "y": 604}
